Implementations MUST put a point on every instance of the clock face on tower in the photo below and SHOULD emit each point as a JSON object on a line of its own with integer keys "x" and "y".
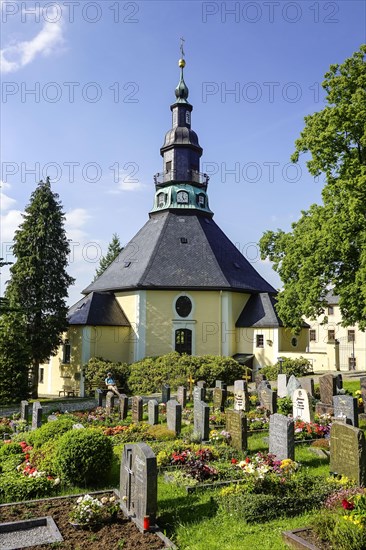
{"x": 182, "y": 197}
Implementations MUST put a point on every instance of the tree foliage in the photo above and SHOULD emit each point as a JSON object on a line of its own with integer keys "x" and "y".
{"x": 114, "y": 248}
{"x": 39, "y": 281}
{"x": 326, "y": 248}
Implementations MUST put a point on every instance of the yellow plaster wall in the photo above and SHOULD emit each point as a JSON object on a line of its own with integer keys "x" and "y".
{"x": 111, "y": 343}
{"x": 285, "y": 338}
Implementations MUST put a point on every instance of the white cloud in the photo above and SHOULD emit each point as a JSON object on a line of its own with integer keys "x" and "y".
{"x": 6, "y": 202}
{"x": 127, "y": 182}
{"x": 18, "y": 54}
{"x": 9, "y": 223}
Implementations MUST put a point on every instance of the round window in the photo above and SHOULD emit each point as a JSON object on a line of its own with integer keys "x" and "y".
{"x": 294, "y": 342}
{"x": 183, "y": 306}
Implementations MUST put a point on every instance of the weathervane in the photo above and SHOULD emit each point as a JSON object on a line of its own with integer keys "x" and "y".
{"x": 181, "y": 47}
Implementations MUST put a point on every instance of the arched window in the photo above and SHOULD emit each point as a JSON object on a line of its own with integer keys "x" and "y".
{"x": 183, "y": 341}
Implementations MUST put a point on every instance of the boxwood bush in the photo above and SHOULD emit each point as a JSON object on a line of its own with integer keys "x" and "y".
{"x": 96, "y": 370}
{"x": 83, "y": 457}
{"x": 51, "y": 430}
{"x": 297, "y": 367}
{"x": 148, "y": 375}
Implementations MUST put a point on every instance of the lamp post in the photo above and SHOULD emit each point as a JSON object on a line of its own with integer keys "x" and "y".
{"x": 280, "y": 361}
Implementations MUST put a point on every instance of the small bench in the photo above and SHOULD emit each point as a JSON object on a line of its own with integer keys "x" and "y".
{"x": 67, "y": 393}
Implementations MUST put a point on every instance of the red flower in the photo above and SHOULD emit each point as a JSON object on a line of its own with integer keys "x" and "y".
{"x": 234, "y": 461}
{"x": 347, "y": 505}
{"x": 247, "y": 460}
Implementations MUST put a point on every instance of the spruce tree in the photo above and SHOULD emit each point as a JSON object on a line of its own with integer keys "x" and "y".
{"x": 114, "y": 248}
{"x": 39, "y": 281}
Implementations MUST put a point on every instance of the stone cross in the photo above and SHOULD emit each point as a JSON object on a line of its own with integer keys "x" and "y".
{"x": 153, "y": 412}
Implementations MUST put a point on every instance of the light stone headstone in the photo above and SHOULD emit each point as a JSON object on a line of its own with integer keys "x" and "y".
{"x": 201, "y": 417}
{"x": 24, "y": 410}
{"x": 346, "y": 407}
{"x": 123, "y": 406}
{"x": 241, "y": 397}
{"x": 109, "y": 402}
{"x": 182, "y": 396}
{"x": 36, "y": 415}
{"x": 198, "y": 393}
{"x": 165, "y": 393}
{"x": 307, "y": 384}
{"x": 174, "y": 416}
{"x": 220, "y": 384}
{"x": 292, "y": 385}
{"x": 348, "y": 452}
{"x": 136, "y": 408}
{"x": 268, "y": 399}
{"x": 219, "y": 398}
{"x": 301, "y": 407}
{"x": 202, "y": 384}
{"x": 236, "y": 425}
{"x": 259, "y": 378}
{"x": 282, "y": 380}
{"x": 139, "y": 483}
{"x": 99, "y": 397}
{"x": 153, "y": 412}
{"x": 281, "y": 436}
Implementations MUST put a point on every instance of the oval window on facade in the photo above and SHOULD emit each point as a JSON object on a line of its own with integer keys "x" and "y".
{"x": 294, "y": 342}
{"x": 183, "y": 306}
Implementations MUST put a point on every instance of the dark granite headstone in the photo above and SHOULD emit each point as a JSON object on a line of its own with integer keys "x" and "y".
{"x": 348, "y": 452}
{"x": 301, "y": 407}
{"x": 36, "y": 415}
{"x": 307, "y": 384}
{"x": 268, "y": 399}
{"x": 281, "y": 436}
{"x": 153, "y": 412}
{"x": 292, "y": 385}
{"x": 109, "y": 402}
{"x": 282, "y": 380}
{"x": 99, "y": 397}
{"x": 182, "y": 396}
{"x": 345, "y": 407}
{"x": 123, "y": 406}
{"x": 165, "y": 393}
{"x": 136, "y": 408}
{"x": 174, "y": 416}
{"x": 138, "y": 483}
{"x": 241, "y": 396}
{"x": 339, "y": 382}
{"x": 219, "y": 398}
{"x": 24, "y": 410}
{"x": 328, "y": 388}
{"x": 201, "y": 416}
{"x": 363, "y": 391}
{"x": 236, "y": 425}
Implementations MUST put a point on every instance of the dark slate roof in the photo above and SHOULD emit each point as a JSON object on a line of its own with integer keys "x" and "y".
{"x": 260, "y": 312}
{"x": 332, "y": 299}
{"x": 98, "y": 308}
{"x": 157, "y": 257}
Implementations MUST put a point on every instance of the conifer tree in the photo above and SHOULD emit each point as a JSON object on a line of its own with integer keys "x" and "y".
{"x": 39, "y": 281}
{"x": 114, "y": 248}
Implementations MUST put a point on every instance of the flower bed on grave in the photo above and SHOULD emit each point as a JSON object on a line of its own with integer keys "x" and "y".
{"x": 312, "y": 430}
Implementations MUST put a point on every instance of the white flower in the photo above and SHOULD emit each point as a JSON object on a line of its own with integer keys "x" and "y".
{"x": 57, "y": 481}
{"x": 104, "y": 500}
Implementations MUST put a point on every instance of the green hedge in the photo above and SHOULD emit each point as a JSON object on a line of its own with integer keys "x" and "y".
{"x": 51, "y": 430}
{"x": 96, "y": 370}
{"x": 297, "y": 367}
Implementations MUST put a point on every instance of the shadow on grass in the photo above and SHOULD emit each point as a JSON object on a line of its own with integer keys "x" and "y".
{"x": 187, "y": 510}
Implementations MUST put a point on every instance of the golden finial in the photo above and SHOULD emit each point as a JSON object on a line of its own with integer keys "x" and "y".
{"x": 182, "y": 62}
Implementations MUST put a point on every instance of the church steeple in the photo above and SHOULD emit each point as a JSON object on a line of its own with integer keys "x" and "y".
{"x": 181, "y": 184}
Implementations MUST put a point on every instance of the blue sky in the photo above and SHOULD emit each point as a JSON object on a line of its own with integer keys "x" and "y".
{"x": 103, "y": 76}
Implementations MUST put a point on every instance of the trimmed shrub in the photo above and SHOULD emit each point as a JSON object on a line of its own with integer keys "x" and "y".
{"x": 148, "y": 375}
{"x": 297, "y": 367}
{"x": 51, "y": 430}
{"x": 14, "y": 487}
{"x": 96, "y": 371}
{"x": 83, "y": 457}
{"x": 10, "y": 449}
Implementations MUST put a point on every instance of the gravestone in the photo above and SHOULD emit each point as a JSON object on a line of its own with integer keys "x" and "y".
{"x": 281, "y": 436}
{"x": 219, "y": 398}
{"x": 36, "y": 415}
{"x": 220, "y": 384}
{"x": 182, "y": 396}
{"x": 109, "y": 402}
{"x": 99, "y": 397}
{"x": 198, "y": 394}
{"x": 282, "y": 380}
{"x": 328, "y": 388}
{"x": 363, "y": 391}
{"x": 268, "y": 399}
{"x": 345, "y": 407}
{"x": 263, "y": 384}
{"x": 123, "y": 406}
{"x": 307, "y": 384}
{"x": 174, "y": 416}
{"x": 292, "y": 385}
{"x": 24, "y": 410}
{"x": 202, "y": 384}
{"x": 201, "y": 416}
{"x": 236, "y": 425}
{"x": 241, "y": 397}
{"x": 136, "y": 408}
{"x": 348, "y": 452}
{"x": 259, "y": 378}
{"x": 339, "y": 382}
{"x": 138, "y": 483}
{"x": 301, "y": 407}
{"x": 153, "y": 412}
{"x": 165, "y": 393}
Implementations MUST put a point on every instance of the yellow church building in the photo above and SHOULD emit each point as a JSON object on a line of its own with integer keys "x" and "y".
{"x": 180, "y": 284}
